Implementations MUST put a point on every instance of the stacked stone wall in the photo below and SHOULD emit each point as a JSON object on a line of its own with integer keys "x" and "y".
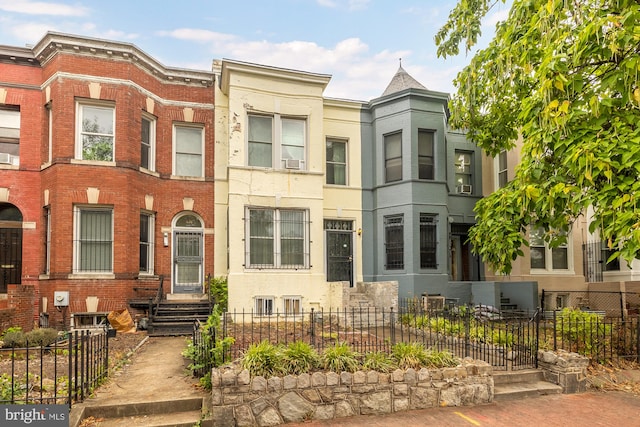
{"x": 238, "y": 399}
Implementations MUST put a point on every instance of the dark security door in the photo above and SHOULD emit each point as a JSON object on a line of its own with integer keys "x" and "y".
{"x": 188, "y": 262}
{"x": 10, "y": 257}
{"x": 10, "y": 246}
{"x": 339, "y": 251}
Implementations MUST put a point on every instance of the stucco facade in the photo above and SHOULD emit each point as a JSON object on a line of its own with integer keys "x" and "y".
{"x": 272, "y": 195}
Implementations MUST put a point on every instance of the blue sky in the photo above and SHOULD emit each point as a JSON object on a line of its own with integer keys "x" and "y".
{"x": 358, "y": 42}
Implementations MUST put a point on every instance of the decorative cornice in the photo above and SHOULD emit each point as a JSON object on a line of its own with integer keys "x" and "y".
{"x": 55, "y": 43}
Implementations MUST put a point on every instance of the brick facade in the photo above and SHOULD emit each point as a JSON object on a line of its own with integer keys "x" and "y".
{"x": 46, "y": 83}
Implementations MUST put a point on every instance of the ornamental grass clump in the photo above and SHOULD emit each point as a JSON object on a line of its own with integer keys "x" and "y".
{"x": 409, "y": 355}
{"x": 299, "y": 357}
{"x": 378, "y": 361}
{"x": 263, "y": 359}
{"x": 341, "y": 357}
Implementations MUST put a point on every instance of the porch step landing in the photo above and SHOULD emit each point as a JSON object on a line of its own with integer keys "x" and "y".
{"x": 522, "y": 384}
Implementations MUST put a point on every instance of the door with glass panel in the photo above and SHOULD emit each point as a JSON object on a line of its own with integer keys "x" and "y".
{"x": 188, "y": 248}
{"x": 339, "y": 251}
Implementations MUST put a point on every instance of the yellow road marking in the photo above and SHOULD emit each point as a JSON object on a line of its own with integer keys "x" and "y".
{"x": 471, "y": 420}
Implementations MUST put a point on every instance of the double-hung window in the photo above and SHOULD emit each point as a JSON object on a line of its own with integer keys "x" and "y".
{"x": 147, "y": 222}
{"x": 96, "y": 132}
{"x": 278, "y": 238}
{"x": 394, "y": 242}
{"x": 336, "y": 152}
{"x": 47, "y": 243}
{"x": 291, "y": 305}
{"x": 428, "y": 241}
{"x": 544, "y": 257}
{"x": 93, "y": 244}
{"x": 393, "y": 157}
{"x": 189, "y": 150}
{"x": 147, "y": 142}
{"x": 425, "y": 154}
{"x": 263, "y": 306}
{"x": 276, "y": 140}
{"x": 501, "y": 164}
{"x": 9, "y": 136}
{"x": 464, "y": 173}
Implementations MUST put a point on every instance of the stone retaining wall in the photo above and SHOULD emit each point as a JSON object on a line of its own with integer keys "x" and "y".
{"x": 238, "y": 399}
{"x": 568, "y": 370}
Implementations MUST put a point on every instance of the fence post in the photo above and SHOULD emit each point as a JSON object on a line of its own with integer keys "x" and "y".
{"x": 392, "y": 327}
{"x": 312, "y": 331}
{"x": 467, "y": 330}
{"x": 622, "y": 306}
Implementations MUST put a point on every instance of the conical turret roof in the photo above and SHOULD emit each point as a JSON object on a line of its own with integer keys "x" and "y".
{"x": 401, "y": 81}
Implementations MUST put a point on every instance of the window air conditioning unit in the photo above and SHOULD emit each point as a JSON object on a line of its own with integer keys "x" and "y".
{"x": 465, "y": 189}
{"x": 5, "y": 158}
{"x": 433, "y": 303}
{"x": 292, "y": 163}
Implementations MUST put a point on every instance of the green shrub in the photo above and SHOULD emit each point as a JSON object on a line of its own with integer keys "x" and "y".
{"x": 264, "y": 359}
{"x": 341, "y": 357}
{"x": 13, "y": 337}
{"x": 409, "y": 355}
{"x": 587, "y": 333}
{"x": 219, "y": 291}
{"x": 41, "y": 337}
{"x": 299, "y": 357}
{"x": 378, "y": 361}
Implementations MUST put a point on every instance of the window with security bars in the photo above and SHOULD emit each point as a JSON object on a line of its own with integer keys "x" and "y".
{"x": 93, "y": 242}
{"x": 263, "y": 306}
{"x": 394, "y": 242}
{"x": 278, "y": 238}
{"x": 146, "y": 242}
{"x": 291, "y": 305}
{"x": 428, "y": 241}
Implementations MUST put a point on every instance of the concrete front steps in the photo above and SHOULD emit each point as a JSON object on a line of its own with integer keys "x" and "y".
{"x": 522, "y": 384}
{"x": 185, "y": 412}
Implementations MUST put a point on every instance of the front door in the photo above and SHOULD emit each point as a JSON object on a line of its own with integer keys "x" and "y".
{"x": 188, "y": 248}
{"x": 339, "y": 251}
{"x": 10, "y": 246}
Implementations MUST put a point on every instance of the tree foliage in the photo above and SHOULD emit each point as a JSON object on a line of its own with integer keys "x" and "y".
{"x": 563, "y": 75}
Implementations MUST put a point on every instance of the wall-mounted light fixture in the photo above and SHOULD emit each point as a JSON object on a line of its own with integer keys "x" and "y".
{"x": 165, "y": 239}
{"x": 359, "y": 231}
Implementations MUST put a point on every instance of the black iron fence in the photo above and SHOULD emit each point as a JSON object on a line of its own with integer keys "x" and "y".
{"x": 610, "y": 303}
{"x": 62, "y": 373}
{"x": 592, "y": 334}
{"x": 506, "y": 342}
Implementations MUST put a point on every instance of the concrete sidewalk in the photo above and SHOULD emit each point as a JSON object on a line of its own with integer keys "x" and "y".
{"x": 156, "y": 372}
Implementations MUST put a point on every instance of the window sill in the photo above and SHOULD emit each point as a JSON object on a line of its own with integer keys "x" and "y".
{"x": 9, "y": 167}
{"x": 534, "y": 272}
{"x": 92, "y": 162}
{"x": 149, "y": 172}
{"x": 187, "y": 178}
{"x": 91, "y": 276}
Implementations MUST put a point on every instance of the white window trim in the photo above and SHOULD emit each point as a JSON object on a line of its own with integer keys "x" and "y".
{"x": 79, "y": 116}
{"x": 77, "y": 273}
{"x": 291, "y": 298}
{"x": 277, "y": 261}
{"x": 262, "y": 299}
{"x": 152, "y": 227}
{"x": 549, "y": 260}
{"x": 346, "y": 159}
{"x": 152, "y": 141}
{"x": 173, "y": 150}
{"x": 496, "y": 168}
{"x": 277, "y": 162}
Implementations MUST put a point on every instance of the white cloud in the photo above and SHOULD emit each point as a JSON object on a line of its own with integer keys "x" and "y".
{"x": 197, "y": 35}
{"x": 349, "y": 4}
{"x": 42, "y": 8}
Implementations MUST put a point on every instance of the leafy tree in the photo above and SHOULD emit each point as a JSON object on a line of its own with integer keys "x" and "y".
{"x": 564, "y": 77}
